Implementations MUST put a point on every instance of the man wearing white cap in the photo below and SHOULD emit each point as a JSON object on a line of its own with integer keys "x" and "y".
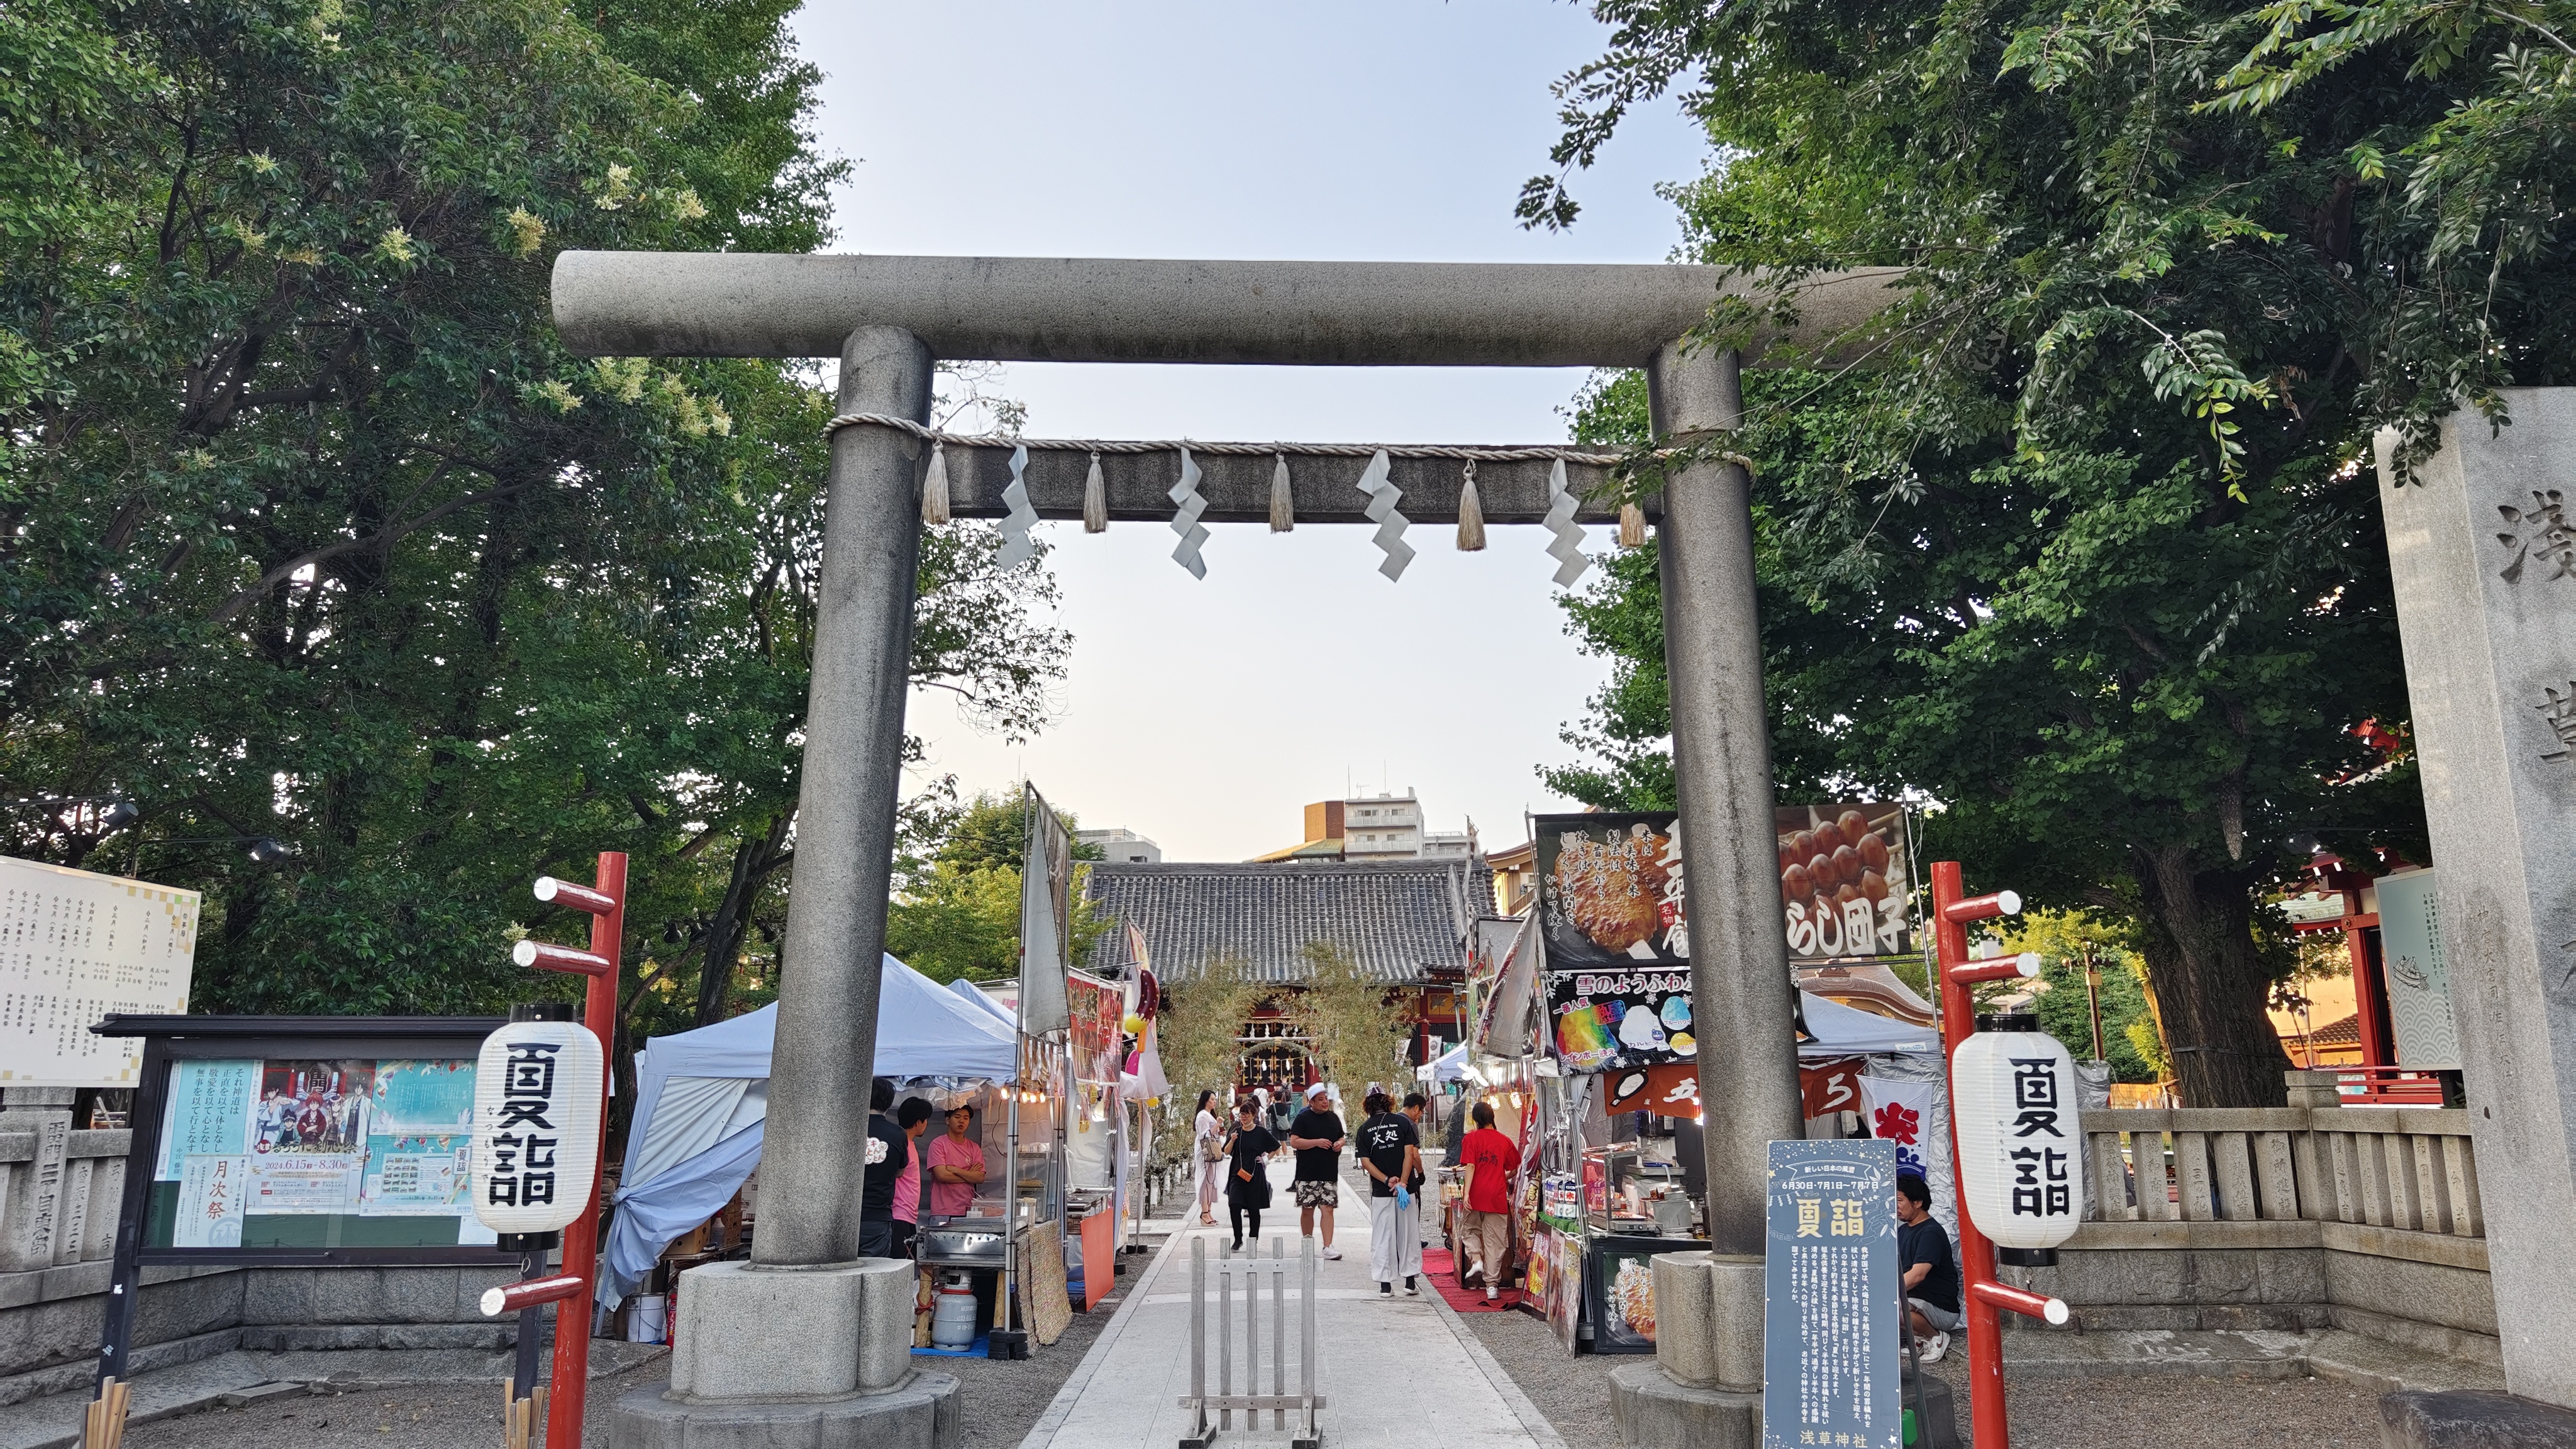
{"x": 1316, "y": 1137}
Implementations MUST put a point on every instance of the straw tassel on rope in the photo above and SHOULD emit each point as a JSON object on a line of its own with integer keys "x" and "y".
{"x": 1095, "y": 499}
{"x": 1471, "y": 515}
{"x": 1632, "y": 526}
{"x": 934, "y": 486}
{"x": 1283, "y": 504}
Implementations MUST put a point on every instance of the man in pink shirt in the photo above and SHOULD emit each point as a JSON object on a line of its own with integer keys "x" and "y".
{"x": 956, "y": 1166}
{"x": 914, "y": 1118}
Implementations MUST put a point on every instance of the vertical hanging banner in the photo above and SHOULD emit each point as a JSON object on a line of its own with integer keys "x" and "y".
{"x": 1846, "y": 881}
{"x": 1829, "y": 1296}
{"x": 1046, "y": 925}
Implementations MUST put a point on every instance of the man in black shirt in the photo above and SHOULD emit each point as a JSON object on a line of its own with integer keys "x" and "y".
{"x": 1316, "y": 1137}
{"x": 1391, "y": 1150}
{"x": 889, "y": 1156}
{"x": 1931, "y": 1274}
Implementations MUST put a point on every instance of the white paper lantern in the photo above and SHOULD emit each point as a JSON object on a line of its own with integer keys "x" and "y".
{"x": 537, "y": 1090}
{"x": 2021, "y": 1147}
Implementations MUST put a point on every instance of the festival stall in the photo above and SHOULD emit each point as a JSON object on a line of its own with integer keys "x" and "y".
{"x": 701, "y": 1098}
{"x": 1612, "y": 1163}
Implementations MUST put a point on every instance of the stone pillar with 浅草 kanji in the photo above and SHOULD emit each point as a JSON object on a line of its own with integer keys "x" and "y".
{"x": 2482, "y": 547}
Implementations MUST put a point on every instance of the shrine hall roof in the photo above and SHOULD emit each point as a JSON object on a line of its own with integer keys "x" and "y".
{"x": 1402, "y": 920}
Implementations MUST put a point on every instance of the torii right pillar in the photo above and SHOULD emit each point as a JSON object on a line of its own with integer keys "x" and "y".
{"x": 1704, "y": 1388}
{"x": 2482, "y": 545}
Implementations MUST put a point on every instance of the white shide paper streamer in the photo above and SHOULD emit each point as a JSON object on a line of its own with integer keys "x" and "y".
{"x": 1568, "y": 548}
{"x": 1187, "y": 506}
{"x": 1383, "y": 498}
{"x": 1017, "y": 548}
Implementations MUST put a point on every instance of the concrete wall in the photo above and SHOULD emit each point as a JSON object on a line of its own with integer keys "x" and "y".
{"x": 50, "y": 1318}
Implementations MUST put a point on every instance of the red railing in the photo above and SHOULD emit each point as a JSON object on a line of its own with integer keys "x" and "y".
{"x": 2389, "y": 1086}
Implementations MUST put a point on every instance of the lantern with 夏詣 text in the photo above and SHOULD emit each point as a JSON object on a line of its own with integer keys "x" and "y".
{"x": 537, "y": 1096}
{"x": 2021, "y": 1149}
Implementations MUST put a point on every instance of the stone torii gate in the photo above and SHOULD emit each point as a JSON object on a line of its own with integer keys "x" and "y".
{"x": 809, "y": 1342}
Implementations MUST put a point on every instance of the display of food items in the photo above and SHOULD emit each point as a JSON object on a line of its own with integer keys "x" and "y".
{"x": 1632, "y": 1296}
{"x": 1844, "y": 884}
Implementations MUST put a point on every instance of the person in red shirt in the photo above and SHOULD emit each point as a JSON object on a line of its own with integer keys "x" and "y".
{"x": 1485, "y": 1229}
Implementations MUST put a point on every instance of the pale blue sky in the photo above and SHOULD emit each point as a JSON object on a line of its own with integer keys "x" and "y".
{"x": 1203, "y": 714}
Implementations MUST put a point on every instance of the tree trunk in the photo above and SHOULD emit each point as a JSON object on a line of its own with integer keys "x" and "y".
{"x": 753, "y": 860}
{"x": 2209, "y": 981}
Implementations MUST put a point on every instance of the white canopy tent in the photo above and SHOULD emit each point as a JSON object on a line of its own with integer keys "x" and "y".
{"x": 1449, "y": 1066}
{"x": 701, "y": 1097}
{"x": 1842, "y": 1031}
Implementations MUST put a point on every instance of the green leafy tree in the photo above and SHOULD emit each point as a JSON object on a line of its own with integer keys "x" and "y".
{"x": 1198, "y": 1034}
{"x": 314, "y": 531}
{"x": 2067, "y": 942}
{"x": 956, "y": 915}
{"x": 2090, "y": 552}
{"x": 1346, "y": 1017}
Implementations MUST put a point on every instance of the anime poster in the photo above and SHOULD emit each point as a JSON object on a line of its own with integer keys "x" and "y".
{"x": 309, "y": 1151}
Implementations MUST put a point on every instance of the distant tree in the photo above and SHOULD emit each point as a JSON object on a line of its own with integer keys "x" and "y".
{"x": 1346, "y": 1017}
{"x": 1199, "y": 1037}
{"x": 956, "y": 914}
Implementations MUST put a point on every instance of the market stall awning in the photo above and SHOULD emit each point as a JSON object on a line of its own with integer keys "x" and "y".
{"x": 1838, "y": 1030}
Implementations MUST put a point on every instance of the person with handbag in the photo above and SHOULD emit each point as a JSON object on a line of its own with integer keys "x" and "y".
{"x": 1208, "y": 1145}
{"x": 1247, "y": 1178}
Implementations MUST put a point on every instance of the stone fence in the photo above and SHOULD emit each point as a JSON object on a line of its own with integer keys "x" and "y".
{"x": 61, "y": 1193}
{"x": 2296, "y": 1218}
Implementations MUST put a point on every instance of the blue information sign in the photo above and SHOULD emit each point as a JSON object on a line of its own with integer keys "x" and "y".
{"x": 1829, "y": 1302}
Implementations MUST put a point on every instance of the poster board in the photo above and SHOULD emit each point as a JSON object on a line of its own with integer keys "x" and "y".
{"x": 76, "y": 947}
{"x": 1620, "y": 1281}
{"x": 1043, "y": 1304}
{"x": 1099, "y": 1011}
{"x": 1829, "y": 1360}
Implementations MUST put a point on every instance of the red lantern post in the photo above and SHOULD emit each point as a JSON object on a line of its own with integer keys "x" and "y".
{"x": 605, "y": 902}
{"x": 1981, "y": 1298}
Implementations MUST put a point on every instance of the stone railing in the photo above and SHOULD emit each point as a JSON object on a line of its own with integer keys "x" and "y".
{"x": 61, "y": 1187}
{"x": 2388, "y": 1167}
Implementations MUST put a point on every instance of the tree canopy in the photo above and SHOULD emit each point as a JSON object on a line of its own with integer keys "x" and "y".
{"x": 314, "y": 531}
{"x": 2088, "y": 550}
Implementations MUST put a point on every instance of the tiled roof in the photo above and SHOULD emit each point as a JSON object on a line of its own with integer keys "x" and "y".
{"x": 2342, "y": 1032}
{"x": 1402, "y": 920}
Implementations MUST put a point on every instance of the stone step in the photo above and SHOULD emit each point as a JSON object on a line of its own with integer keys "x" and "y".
{"x": 2354, "y": 1358}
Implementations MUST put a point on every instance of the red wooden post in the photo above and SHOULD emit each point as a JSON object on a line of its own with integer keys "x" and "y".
{"x": 1976, "y": 1252}
{"x": 606, "y": 903}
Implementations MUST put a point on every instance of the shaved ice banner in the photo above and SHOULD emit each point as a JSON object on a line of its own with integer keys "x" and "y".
{"x": 1612, "y": 1020}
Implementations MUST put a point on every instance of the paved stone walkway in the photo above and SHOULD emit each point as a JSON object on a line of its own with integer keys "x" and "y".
{"x": 1394, "y": 1375}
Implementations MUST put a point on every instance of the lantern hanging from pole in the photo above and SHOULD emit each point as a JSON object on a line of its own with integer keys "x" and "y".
{"x": 537, "y": 1095}
{"x": 2021, "y": 1147}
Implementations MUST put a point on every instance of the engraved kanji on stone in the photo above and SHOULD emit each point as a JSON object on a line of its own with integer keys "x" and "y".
{"x": 2560, "y": 714}
{"x": 2542, "y": 530}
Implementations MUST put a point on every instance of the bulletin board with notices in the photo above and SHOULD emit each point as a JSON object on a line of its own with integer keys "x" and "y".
{"x": 76, "y": 946}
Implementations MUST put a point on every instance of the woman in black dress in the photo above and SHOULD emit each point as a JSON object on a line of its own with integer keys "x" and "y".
{"x": 1247, "y": 1178}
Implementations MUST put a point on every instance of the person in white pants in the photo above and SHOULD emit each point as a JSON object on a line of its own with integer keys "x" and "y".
{"x": 1390, "y": 1148}
{"x": 1208, "y": 1143}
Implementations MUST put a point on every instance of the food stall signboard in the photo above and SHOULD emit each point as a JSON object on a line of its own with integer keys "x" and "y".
{"x": 1846, "y": 881}
{"x": 1610, "y": 1020}
{"x": 1611, "y": 890}
{"x": 1098, "y": 1010}
{"x": 1829, "y": 1360}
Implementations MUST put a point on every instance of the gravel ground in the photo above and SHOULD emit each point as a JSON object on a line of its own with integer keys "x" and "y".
{"x": 2109, "y": 1412}
{"x": 1002, "y": 1402}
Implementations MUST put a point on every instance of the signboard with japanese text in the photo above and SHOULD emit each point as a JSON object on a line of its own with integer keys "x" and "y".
{"x": 76, "y": 946}
{"x": 1611, "y": 891}
{"x": 1670, "y": 1090}
{"x": 2419, "y": 980}
{"x": 308, "y": 1152}
{"x": 1829, "y": 1360}
{"x": 1846, "y": 881}
{"x": 1615, "y": 1018}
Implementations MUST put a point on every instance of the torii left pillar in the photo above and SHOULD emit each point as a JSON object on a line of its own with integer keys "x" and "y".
{"x": 809, "y": 1345}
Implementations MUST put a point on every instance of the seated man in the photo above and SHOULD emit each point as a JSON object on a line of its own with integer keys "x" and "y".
{"x": 1931, "y": 1275}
